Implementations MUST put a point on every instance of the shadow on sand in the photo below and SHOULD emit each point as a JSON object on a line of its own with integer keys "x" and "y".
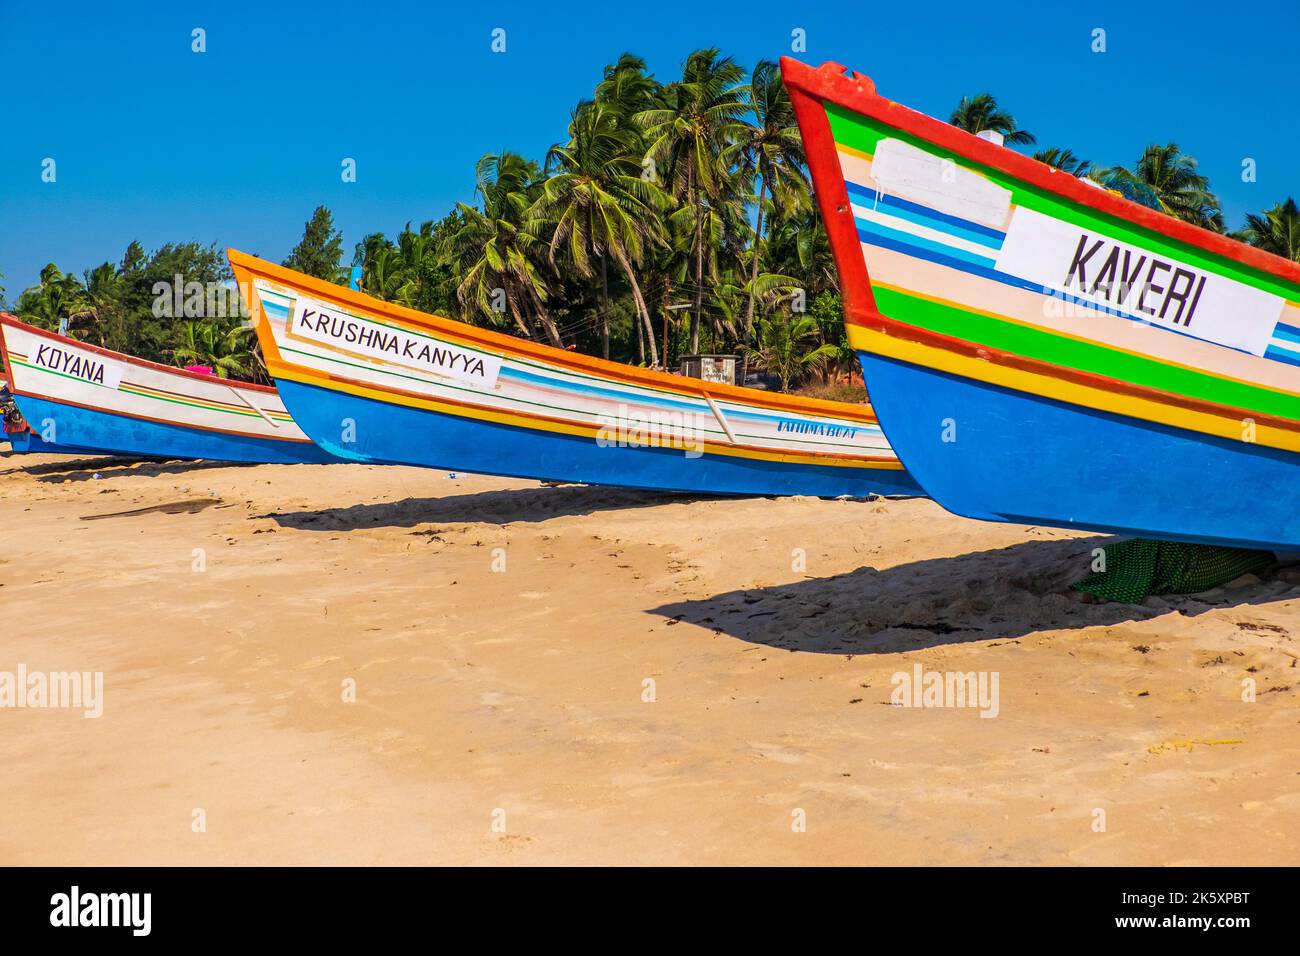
{"x": 492, "y": 507}
{"x": 85, "y": 469}
{"x": 1004, "y": 593}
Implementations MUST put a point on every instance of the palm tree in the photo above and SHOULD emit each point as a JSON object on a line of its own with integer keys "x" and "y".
{"x": 494, "y": 248}
{"x": 708, "y": 241}
{"x": 687, "y": 138}
{"x": 1276, "y": 231}
{"x": 103, "y": 290}
{"x": 799, "y": 246}
{"x": 770, "y": 150}
{"x": 788, "y": 346}
{"x": 227, "y": 350}
{"x": 381, "y": 267}
{"x": 57, "y": 296}
{"x": 403, "y": 271}
{"x": 1165, "y": 178}
{"x": 734, "y": 291}
{"x": 1064, "y": 160}
{"x": 981, "y": 112}
{"x": 627, "y": 89}
{"x": 595, "y": 203}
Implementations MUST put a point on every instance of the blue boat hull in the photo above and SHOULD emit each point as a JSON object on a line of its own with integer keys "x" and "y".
{"x": 387, "y": 433}
{"x": 82, "y": 431}
{"x": 27, "y": 443}
{"x": 988, "y": 452}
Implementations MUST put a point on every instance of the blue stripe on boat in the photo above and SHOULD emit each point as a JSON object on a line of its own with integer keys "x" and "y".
{"x": 397, "y": 434}
{"x": 659, "y": 400}
{"x": 992, "y": 245}
{"x": 944, "y": 256}
{"x": 1287, "y": 333}
{"x": 924, "y": 248}
{"x": 980, "y": 232}
{"x": 91, "y": 431}
{"x": 949, "y": 257}
{"x": 1282, "y": 355}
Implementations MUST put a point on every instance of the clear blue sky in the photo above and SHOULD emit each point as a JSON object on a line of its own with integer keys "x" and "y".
{"x": 237, "y": 145}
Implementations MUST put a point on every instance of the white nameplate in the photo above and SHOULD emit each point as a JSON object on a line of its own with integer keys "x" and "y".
{"x": 75, "y": 363}
{"x": 328, "y": 325}
{"x": 1146, "y": 285}
{"x": 901, "y": 169}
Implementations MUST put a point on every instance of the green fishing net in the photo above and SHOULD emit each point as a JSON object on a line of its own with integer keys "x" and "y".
{"x": 1137, "y": 569}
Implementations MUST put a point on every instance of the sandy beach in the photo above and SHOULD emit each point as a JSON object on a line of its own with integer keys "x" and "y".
{"x": 584, "y": 675}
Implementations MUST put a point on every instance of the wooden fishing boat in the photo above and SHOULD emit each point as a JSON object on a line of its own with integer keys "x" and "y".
{"x": 1040, "y": 350}
{"x": 80, "y": 399}
{"x": 376, "y": 382}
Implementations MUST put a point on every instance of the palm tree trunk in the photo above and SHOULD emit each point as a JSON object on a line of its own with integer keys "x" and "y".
{"x": 753, "y": 270}
{"x": 643, "y": 313}
{"x": 640, "y": 343}
{"x": 665, "y": 296}
{"x": 699, "y": 291}
{"x": 544, "y": 318}
{"x": 699, "y": 263}
{"x": 519, "y": 319}
{"x": 604, "y": 308}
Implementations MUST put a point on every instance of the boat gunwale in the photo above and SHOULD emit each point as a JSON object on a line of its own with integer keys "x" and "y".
{"x": 308, "y": 375}
{"x": 549, "y": 354}
{"x": 834, "y": 83}
{"x": 811, "y": 88}
{"x": 7, "y": 318}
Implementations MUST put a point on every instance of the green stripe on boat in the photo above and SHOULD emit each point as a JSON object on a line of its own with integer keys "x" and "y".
{"x": 863, "y": 133}
{"x": 1048, "y": 346}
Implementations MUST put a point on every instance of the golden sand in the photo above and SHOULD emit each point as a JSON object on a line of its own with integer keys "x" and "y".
{"x": 576, "y": 674}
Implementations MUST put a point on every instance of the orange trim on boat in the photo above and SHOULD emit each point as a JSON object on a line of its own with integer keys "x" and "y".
{"x": 547, "y": 354}
{"x": 312, "y": 376}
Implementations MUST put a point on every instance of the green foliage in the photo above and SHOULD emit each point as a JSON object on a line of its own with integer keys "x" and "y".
{"x": 799, "y": 246}
{"x": 57, "y": 296}
{"x": 225, "y": 347}
{"x": 770, "y": 150}
{"x": 1167, "y": 179}
{"x": 981, "y": 112}
{"x": 689, "y": 148}
{"x": 827, "y": 313}
{"x": 1064, "y": 160}
{"x": 415, "y": 271}
{"x": 596, "y": 205}
{"x": 667, "y": 211}
{"x": 146, "y": 304}
{"x": 496, "y": 252}
{"x": 789, "y": 346}
{"x": 320, "y": 253}
{"x": 1277, "y": 230}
